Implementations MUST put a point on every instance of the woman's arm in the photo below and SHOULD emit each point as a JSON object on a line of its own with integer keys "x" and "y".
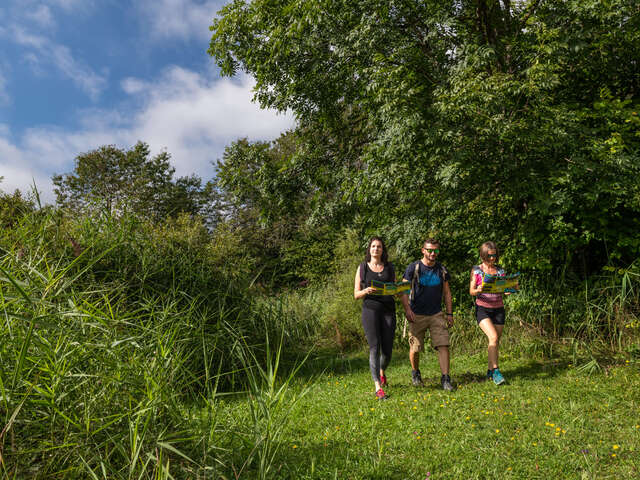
{"x": 473, "y": 290}
{"x": 357, "y": 293}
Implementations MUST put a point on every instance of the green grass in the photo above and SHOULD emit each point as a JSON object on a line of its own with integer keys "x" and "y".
{"x": 552, "y": 420}
{"x": 143, "y": 357}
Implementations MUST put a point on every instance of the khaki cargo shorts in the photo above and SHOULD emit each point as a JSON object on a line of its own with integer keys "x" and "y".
{"x": 437, "y": 326}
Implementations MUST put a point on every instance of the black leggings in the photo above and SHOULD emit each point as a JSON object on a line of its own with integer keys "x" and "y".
{"x": 379, "y": 328}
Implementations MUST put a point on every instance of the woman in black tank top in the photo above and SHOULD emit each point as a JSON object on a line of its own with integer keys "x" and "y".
{"x": 378, "y": 311}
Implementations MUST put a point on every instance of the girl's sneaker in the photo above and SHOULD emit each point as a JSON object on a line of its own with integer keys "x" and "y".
{"x": 380, "y": 395}
{"x": 498, "y": 379}
{"x": 383, "y": 381}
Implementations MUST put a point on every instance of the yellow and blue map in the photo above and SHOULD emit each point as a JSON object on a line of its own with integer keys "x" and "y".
{"x": 390, "y": 288}
{"x": 500, "y": 284}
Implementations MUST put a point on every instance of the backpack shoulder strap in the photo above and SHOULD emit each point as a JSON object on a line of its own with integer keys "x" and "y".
{"x": 442, "y": 270}
{"x": 392, "y": 269}
{"x": 415, "y": 281}
{"x": 363, "y": 267}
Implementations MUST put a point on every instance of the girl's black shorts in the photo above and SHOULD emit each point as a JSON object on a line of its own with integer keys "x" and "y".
{"x": 496, "y": 315}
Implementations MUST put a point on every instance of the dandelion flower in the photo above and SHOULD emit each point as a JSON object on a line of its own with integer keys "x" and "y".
{"x": 616, "y": 447}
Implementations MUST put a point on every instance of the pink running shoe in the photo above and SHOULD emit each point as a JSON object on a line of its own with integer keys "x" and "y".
{"x": 383, "y": 381}
{"x": 380, "y": 395}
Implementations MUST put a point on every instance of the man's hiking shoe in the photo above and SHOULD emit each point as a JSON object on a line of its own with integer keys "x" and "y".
{"x": 416, "y": 378}
{"x": 380, "y": 395}
{"x": 383, "y": 381}
{"x": 498, "y": 379}
{"x": 445, "y": 380}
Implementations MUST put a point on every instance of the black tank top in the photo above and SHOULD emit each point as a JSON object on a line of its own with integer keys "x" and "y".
{"x": 379, "y": 302}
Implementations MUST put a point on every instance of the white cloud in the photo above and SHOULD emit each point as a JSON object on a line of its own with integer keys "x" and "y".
{"x": 20, "y": 36}
{"x": 83, "y": 76}
{"x": 19, "y": 172}
{"x": 192, "y": 116}
{"x": 182, "y": 19}
{"x": 41, "y": 15}
{"x": 42, "y": 51}
{"x": 195, "y": 117}
{"x": 68, "y": 4}
{"x": 4, "y": 95}
{"x": 133, "y": 85}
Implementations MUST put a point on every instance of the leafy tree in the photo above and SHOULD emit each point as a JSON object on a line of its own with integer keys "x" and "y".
{"x": 266, "y": 201}
{"x": 13, "y": 207}
{"x": 117, "y": 180}
{"x": 473, "y": 119}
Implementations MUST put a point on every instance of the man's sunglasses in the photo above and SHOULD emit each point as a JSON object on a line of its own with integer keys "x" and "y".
{"x": 432, "y": 250}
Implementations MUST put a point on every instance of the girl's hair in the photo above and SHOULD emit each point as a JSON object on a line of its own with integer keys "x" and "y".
{"x": 484, "y": 250}
{"x": 385, "y": 255}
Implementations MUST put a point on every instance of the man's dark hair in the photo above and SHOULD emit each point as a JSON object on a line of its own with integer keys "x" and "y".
{"x": 432, "y": 241}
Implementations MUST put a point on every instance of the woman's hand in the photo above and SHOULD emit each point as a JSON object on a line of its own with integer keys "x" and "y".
{"x": 369, "y": 290}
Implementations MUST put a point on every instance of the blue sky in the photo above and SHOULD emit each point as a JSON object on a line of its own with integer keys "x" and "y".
{"x": 77, "y": 74}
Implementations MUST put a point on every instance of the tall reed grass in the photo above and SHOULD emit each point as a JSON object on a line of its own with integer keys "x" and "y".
{"x": 116, "y": 336}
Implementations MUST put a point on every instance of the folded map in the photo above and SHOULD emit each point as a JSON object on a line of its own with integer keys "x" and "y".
{"x": 390, "y": 288}
{"x": 496, "y": 284}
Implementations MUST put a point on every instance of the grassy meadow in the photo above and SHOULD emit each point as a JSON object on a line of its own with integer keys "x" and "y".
{"x": 552, "y": 420}
{"x": 139, "y": 351}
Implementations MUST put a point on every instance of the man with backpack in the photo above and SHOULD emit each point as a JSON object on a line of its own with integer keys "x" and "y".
{"x": 429, "y": 285}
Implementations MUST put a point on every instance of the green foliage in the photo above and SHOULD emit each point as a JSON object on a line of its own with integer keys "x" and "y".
{"x": 118, "y": 335}
{"x": 13, "y": 207}
{"x": 534, "y": 427}
{"x": 266, "y": 204}
{"x": 474, "y": 120}
{"x": 113, "y": 180}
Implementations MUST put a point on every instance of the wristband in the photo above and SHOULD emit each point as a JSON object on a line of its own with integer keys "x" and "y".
{"x": 451, "y": 314}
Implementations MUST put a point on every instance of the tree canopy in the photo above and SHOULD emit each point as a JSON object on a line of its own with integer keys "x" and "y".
{"x": 473, "y": 119}
{"x": 117, "y": 180}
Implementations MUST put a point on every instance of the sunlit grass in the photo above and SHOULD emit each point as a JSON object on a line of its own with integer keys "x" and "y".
{"x": 137, "y": 356}
{"x": 550, "y": 421}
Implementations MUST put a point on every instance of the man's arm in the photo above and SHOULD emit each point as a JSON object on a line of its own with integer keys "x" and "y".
{"x": 407, "y": 308}
{"x": 448, "y": 304}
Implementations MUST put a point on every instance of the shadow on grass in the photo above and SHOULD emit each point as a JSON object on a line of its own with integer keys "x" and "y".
{"x": 532, "y": 370}
{"x": 326, "y": 361}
